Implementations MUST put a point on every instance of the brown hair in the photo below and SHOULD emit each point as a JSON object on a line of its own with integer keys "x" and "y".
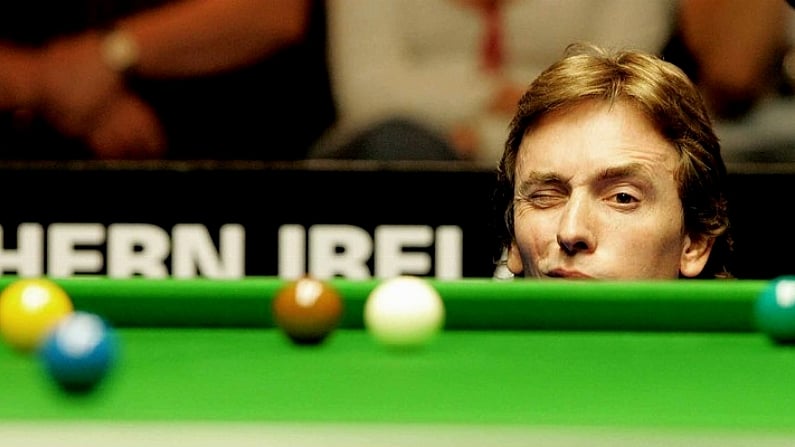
{"x": 667, "y": 97}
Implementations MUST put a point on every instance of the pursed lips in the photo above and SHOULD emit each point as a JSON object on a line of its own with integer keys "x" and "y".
{"x": 567, "y": 274}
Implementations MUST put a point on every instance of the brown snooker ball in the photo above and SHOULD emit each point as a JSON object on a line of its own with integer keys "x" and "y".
{"x": 307, "y": 310}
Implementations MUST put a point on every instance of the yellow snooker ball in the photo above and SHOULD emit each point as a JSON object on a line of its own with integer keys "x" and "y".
{"x": 29, "y": 308}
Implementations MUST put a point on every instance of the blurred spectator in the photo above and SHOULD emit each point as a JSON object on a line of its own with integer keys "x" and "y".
{"x": 191, "y": 79}
{"x": 440, "y": 79}
{"x": 740, "y": 55}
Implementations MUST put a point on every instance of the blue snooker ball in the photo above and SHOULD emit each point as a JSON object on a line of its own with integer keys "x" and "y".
{"x": 774, "y": 310}
{"x": 79, "y": 352}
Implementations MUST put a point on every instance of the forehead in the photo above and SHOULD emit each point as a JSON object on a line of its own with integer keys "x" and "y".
{"x": 594, "y": 135}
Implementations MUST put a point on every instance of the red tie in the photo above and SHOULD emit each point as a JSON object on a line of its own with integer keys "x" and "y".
{"x": 492, "y": 39}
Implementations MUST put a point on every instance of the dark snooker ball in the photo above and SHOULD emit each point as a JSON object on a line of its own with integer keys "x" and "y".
{"x": 774, "y": 310}
{"x": 307, "y": 310}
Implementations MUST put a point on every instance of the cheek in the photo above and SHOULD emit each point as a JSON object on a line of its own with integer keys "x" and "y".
{"x": 533, "y": 232}
{"x": 672, "y": 231}
{"x": 663, "y": 242}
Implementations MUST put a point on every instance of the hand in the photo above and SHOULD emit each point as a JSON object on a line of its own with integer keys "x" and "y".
{"x": 128, "y": 129}
{"x": 465, "y": 140}
{"x": 18, "y": 70}
{"x": 75, "y": 86}
{"x": 83, "y": 97}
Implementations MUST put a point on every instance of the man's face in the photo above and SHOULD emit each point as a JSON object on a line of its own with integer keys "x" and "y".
{"x": 596, "y": 197}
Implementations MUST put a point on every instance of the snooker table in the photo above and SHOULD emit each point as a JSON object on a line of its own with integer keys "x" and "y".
{"x": 519, "y": 362}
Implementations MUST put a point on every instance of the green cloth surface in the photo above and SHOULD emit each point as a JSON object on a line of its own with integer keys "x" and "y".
{"x": 722, "y": 381}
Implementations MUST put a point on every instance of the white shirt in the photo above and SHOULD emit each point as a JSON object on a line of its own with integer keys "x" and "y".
{"x": 423, "y": 58}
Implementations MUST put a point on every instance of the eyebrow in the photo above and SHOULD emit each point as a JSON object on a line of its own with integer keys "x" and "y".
{"x": 623, "y": 171}
{"x": 628, "y": 170}
{"x": 534, "y": 178}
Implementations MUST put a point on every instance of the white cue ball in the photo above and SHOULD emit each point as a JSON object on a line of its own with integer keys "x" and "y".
{"x": 404, "y": 312}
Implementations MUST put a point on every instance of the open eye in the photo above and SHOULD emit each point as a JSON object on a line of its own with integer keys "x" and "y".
{"x": 625, "y": 198}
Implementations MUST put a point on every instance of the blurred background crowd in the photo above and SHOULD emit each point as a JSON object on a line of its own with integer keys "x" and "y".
{"x": 357, "y": 79}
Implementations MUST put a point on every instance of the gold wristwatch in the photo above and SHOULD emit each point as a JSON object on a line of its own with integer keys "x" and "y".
{"x": 119, "y": 51}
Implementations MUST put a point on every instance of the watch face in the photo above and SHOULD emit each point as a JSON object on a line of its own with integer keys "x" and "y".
{"x": 119, "y": 51}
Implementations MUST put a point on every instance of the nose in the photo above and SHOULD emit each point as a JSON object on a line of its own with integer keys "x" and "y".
{"x": 575, "y": 230}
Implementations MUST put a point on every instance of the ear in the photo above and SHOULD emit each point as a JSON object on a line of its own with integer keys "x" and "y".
{"x": 695, "y": 254}
{"x": 514, "y": 260}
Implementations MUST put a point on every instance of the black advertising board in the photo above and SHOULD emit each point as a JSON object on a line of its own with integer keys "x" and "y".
{"x": 349, "y": 219}
{"x": 355, "y": 220}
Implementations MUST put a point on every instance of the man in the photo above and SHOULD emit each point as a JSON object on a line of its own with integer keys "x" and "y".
{"x": 612, "y": 170}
